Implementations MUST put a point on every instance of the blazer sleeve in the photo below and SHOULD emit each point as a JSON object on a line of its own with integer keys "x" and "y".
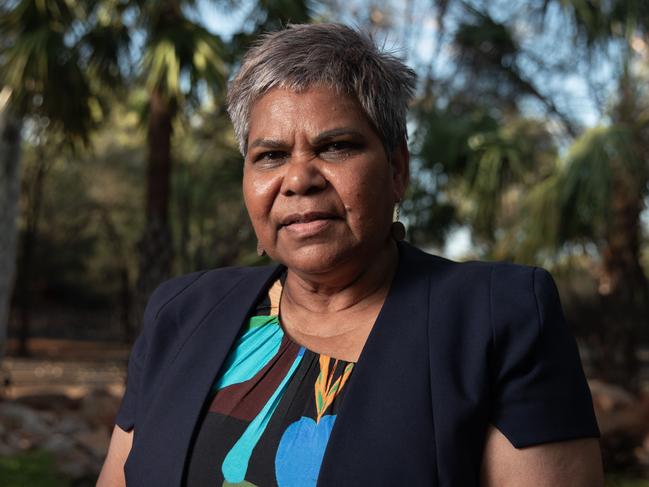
{"x": 125, "y": 418}
{"x": 540, "y": 393}
{"x": 126, "y": 414}
{"x": 161, "y": 297}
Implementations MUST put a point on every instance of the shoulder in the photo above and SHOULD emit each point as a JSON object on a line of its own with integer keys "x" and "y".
{"x": 198, "y": 287}
{"x": 498, "y": 330}
{"x": 496, "y": 277}
{"x": 180, "y": 304}
{"x": 494, "y": 303}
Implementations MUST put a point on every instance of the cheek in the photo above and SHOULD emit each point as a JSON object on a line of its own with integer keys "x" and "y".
{"x": 368, "y": 201}
{"x": 257, "y": 193}
{"x": 374, "y": 192}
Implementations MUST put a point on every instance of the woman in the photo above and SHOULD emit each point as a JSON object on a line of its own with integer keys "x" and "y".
{"x": 389, "y": 367}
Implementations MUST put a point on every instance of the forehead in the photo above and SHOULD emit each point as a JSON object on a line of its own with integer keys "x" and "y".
{"x": 283, "y": 114}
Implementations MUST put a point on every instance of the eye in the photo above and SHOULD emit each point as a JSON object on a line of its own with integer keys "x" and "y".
{"x": 271, "y": 157}
{"x": 339, "y": 148}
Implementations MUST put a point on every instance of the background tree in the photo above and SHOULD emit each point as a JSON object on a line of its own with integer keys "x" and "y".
{"x": 601, "y": 187}
{"x": 474, "y": 139}
{"x": 493, "y": 131}
{"x": 180, "y": 58}
{"x": 46, "y": 51}
{"x": 183, "y": 63}
{"x": 520, "y": 171}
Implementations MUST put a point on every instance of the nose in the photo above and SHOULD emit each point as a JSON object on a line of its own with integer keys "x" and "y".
{"x": 303, "y": 176}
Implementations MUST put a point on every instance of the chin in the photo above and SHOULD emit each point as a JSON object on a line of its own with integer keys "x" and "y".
{"x": 315, "y": 259}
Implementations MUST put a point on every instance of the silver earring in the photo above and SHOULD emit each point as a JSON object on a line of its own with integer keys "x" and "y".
{"x": 398, "y": 229}
{"x": 260, "y": 250}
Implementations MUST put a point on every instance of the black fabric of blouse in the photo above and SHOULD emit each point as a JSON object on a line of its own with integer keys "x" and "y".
{"x": 291, "y": 445}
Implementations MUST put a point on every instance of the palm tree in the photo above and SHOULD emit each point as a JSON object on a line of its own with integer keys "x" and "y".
{"x": 48, "y": 58}
{"x": 182, "y": 64}
{"x": 181, "y": 59}
{"x": 10, "y": 127}
{"x": 473, "y": 136}
{"x": 600, "y": 187}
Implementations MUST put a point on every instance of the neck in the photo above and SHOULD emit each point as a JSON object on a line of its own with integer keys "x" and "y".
{"x": 354, "y": 286}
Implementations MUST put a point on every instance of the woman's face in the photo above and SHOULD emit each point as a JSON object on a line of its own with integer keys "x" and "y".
{"x": 317, "y": 183}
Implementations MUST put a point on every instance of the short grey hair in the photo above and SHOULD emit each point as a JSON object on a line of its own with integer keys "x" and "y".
{"x": 306, "y": 55}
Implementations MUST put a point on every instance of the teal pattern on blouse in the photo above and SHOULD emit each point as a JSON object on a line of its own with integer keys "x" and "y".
{"x": 270, "y": 412}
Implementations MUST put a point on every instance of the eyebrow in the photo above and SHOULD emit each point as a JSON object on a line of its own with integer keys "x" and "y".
{"x": 319, "y": 139}
{"x": 337, "y": 132}
{"x": 270, "y": 143}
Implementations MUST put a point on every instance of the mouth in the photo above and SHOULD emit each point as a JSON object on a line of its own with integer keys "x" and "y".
{"x": 309, "y": 217}
{"x": 307, "y": 225}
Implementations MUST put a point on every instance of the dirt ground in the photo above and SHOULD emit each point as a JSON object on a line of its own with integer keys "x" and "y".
{"x": 71, "y": 368}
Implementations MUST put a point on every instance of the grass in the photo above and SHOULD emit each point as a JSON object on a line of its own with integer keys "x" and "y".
{"x": 33, "y": 468}
{"x": 36, "y": 468}
{"x": 623, "y": 481}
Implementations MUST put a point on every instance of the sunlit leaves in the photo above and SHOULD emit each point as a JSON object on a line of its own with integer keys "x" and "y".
{"x": 61, "y": 58}
{"x": 486, "y": 163}
{"x": 596, "y": 159}
{"x": 574, "y": 204}
{"x": 41, "y": 65}
{"x": 181, "y": 57}
{"x": 598, "y": 21}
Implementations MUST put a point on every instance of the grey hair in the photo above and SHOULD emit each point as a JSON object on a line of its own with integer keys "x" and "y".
{"x": 306, "y": 55}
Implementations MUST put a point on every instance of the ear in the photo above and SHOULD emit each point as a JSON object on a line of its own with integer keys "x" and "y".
{"x": 400, "y": 162}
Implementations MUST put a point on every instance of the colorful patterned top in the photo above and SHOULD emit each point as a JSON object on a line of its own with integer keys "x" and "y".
{"x": 271, "y": 410}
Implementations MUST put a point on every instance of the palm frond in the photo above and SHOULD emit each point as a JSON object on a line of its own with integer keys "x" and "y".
{"x": 586, "y": 181}
{"x": 540, "y": 220}
{"x": 40, "y": 68}
{"x": 597, "y": 22}
{"x": 179, "y": 56}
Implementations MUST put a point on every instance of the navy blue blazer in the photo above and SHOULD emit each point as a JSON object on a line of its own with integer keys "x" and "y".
{"x": 455, "y": 347}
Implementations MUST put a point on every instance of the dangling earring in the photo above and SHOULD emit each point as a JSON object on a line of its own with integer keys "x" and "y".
{"x": 398, "y": 230}
{"x": 260, "y": 250}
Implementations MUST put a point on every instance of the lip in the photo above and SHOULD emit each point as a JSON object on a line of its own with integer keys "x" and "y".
{"x": 307, "y": 224}
{"x": 306, "y": 217}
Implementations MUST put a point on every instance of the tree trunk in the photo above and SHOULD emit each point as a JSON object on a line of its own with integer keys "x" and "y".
{"x": 185, "y": 208}
{"x": 125, "y": 294}
{"x": 10, "y": 139}
{"x": 623, "y": 283}
{"x": 34, "y": 199}
{"x": 155, "y": 246}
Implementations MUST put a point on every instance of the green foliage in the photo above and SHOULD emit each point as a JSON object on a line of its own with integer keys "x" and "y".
{"x": 179, "y": 50}
{"x": 34, "y": 468}
{"x": 599, "y": 22}
{"x": 92, "y": 207}
{"x": 91, "y": 213}
{"x": 267, "y": 16}
{"x": 500, "y": 169}
{"x": 625, "y": 481}
{"x": 39, "y": 65}
{"x": 485, "y": 162}
{"x": 586, "y": 182}
{"x": 59, "y": 58}
{"x": 485, "y": 43}
{"x": 106, "y": 43}
{"x": 211, "y": 225}
{"x": 574, "y": 204}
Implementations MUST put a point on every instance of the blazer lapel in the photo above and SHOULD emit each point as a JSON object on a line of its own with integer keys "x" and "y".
{"x": 174, "y": 412}
{"x": 384, "y": 433}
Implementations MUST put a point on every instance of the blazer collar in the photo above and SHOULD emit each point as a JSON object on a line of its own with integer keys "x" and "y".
{"x": 179, "y": 401}
{"x": 165, "y": 441}
{"x": 383, "y": 433}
